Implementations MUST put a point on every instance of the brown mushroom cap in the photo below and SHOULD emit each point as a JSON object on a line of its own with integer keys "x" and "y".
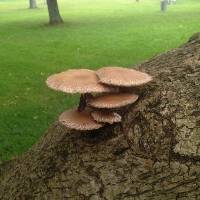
{"x": 77, "y": 81}
{"x": 119, "y": 76}
{"x": 73, "y": 119}
{"x": 106, "y": 116}
{"x": 113, "y": 100}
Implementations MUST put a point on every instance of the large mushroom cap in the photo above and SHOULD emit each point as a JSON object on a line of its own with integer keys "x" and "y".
{"x": 73, "y": 119}
{"x": 106, "y": 117}
{"x": 119, "y": 76}
{"x": 77, "y": 81}
{"x": 113, "y": 100}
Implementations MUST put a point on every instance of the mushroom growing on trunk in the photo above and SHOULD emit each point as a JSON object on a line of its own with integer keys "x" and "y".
{"x": 82, "y": 81}
{"x": 122, "y": 77}
{"x": 87, "y": 82}
{"x": 113, "y": 100}
{"x": 79, "y": 120}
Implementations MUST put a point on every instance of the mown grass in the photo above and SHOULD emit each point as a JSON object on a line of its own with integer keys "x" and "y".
{"x": 95, "y": 33}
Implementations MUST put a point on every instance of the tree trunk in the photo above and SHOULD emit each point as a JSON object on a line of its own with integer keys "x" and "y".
{"x": 33, "y": 4}
{"x": 163, "y": 162}
{"x": 163, "y": 5}
{"x": 54, "y": 15}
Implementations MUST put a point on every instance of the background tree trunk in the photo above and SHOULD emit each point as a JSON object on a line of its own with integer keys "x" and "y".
{"x": 163, "y": 5}
{"x": 32, "y": 4}
{"x": 54, "y": 15}
{"x": 163, "y": 162}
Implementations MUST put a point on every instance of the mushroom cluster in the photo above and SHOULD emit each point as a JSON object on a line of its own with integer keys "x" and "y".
{"x": 102, "y": 94}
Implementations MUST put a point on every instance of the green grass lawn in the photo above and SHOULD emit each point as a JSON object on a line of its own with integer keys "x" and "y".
{"x": 95, "y": 33}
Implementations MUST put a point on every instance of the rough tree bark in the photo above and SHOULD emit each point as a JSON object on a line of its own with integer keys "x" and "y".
{"x": 54, "y": 14}
{"x": 32, "y": 4}
{"x": 162, "y": 164}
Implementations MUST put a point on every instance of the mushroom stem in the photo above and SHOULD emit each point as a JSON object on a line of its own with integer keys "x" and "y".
{"x": 88, "y": 96}
{"x": 82, "y": 103}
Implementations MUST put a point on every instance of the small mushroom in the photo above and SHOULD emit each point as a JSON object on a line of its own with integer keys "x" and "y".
{"x": 124, "y": 77}
{"x": 113, "y": 100}
{"x": 82, "y": 121}
{"x": 106, "y": 116}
